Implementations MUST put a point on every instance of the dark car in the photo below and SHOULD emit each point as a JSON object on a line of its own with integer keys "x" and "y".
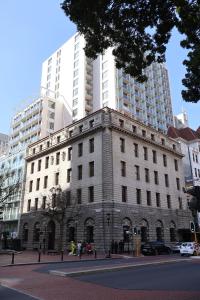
{"x": 153, "y": 248}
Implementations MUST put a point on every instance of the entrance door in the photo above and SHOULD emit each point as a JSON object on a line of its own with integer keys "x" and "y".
{"x": 51, "y": 235}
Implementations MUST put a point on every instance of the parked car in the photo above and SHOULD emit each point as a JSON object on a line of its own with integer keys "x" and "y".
{"x": 175, "y": 247}
{"x": 153, "y": 248}
{"x": 189, "y": 248}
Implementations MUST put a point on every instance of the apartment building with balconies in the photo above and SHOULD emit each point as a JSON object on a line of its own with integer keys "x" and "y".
{"x": 88, "y": 85}
{"x": 113, "y": 173}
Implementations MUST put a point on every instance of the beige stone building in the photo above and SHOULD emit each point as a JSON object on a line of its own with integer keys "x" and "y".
{"x": 114, "y": 175}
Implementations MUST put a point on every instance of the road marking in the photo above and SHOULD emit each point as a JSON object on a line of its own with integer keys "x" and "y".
{"x": 114, "y": 268}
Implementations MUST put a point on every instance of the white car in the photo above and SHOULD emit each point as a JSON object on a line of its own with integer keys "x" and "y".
{"x": 189, "y": 248}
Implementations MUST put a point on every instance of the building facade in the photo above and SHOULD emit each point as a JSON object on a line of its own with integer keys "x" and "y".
{"x": 37, "y": 120}
{"x": 87, "y": 85}
{"x": 115, "y": 173}
{"x": 4, "y": 140}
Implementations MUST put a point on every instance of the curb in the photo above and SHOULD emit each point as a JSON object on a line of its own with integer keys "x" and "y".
{"x": 110, "y": 269}
{"x": 57, "y": 262}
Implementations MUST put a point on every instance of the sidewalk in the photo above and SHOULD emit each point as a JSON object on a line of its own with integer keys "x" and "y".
{"x": 32, "y": 257}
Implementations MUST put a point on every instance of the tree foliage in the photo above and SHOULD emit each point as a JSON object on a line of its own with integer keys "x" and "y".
{"x": 138, "y": 31}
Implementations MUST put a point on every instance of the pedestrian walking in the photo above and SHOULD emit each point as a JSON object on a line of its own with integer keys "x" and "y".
{"x": 79, "y": 248}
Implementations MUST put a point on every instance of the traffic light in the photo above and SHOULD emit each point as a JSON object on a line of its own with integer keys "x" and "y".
{"x": 192, "y": 226}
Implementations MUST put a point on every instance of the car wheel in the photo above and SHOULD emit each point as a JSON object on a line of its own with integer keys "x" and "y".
{"x": 182, "y": 254}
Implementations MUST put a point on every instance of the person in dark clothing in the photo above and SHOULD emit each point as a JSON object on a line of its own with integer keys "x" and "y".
{"x": 112, "y": 246}
{"x": 121, "y": 246}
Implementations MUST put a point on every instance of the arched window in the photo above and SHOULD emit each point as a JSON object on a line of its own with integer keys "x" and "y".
{"x": 172, "y": 231}
{"x": 36, "y": 232}
{"x": 159, "y": 231}
{"x": 144, "y": 231}
{"x": 126, "y": 223}
{"x": 25, "y": 232}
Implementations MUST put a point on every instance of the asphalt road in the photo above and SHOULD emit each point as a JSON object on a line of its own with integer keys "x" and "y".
{"x": 182, "y": 276}
{"x": 10, "y": 294}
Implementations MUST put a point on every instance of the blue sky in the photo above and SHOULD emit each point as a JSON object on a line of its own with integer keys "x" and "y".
{"x": 30, "y": 31}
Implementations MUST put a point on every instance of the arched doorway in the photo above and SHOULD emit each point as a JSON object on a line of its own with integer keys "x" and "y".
{"x": 51, "y": 235}
{"x": 172, "y": 231}
{"x": 25, "y": 233}
{"x": 89, "y": 230}
{"x": 127, "y": 229}
{"x": 71, "y": 231}
{"x": 36, "y": 232}
{"x": 159, "y": 231}
{"x": 144, "y": 231}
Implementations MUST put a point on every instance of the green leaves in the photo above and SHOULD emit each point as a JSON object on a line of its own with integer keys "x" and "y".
{"x": 138, "y": 31}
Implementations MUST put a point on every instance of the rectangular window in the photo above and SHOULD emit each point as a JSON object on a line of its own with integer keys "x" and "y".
{"x": 164, "y": 160}
{"x": 39, "y": 164}
{"x": 178, "y": 183}
{"x": 137, "y": 172}
{"x": 57, "y": 178}
{"x": 154, "y": 156}
{"x": 166, "y": 180}
{"x": 48, "y": 144}
{"x": 29, "y": 205}
{"x": 144, "y": 133}
{"x": 80, "y": 149}
{"x": 80, "y": 171}
{"x": 80, "y": 128}
{"x": 38, "y": 184}
{"x": 176, "y": 165}
{"x": 146, "y": 175}
{"x": 69, "y": 153}
{"x": 45, "y": 181}
{"x": 122, "y": 145}
{"x": 91, "y": 145}
{"x": 44, "y": 200}
{"x": 148, "y": 198}
{"x": 123, "y": 168}
{"x": 46, "y": 162}
{"x": 136, "y": 152}
{"x": 174, "y": 147}
{"x": 91, "y": 168}
{"x": 121, "y": 123}
{"x": 145, "y": 153}
{"x": 124, "y": 193}
{"x": 69, "y": 171}
{"x": 152, "y": 137}
{"x": 32, "y": 167}
{"x": 91, "y": 123}
{"x": 180, "y": 203}
{"x": 158, "y": 199}
{"x": 30, "y": 186}
{"x": 57, "y": 158}
{"x": 156, "y": 181}
{"x": 58, "y": 139}
{"x": 79, "y": 196}
{"x": 36, "y": 203}
{"x": 168, "y": 201}
{"x": 70, "y": 133}
{"x": 134, "y": 128}
{"x": 163, "y": 141}
{"x": 138, "y": 196}
{"x": 91, "y": 194}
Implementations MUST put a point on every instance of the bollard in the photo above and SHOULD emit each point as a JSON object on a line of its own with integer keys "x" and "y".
{"x": 39, "y": 256}
{"x": 13, "y": 258}
{"x": 62, "y": 252}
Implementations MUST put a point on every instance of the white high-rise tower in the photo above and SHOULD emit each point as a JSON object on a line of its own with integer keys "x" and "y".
{"x": 87, "y": 85}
